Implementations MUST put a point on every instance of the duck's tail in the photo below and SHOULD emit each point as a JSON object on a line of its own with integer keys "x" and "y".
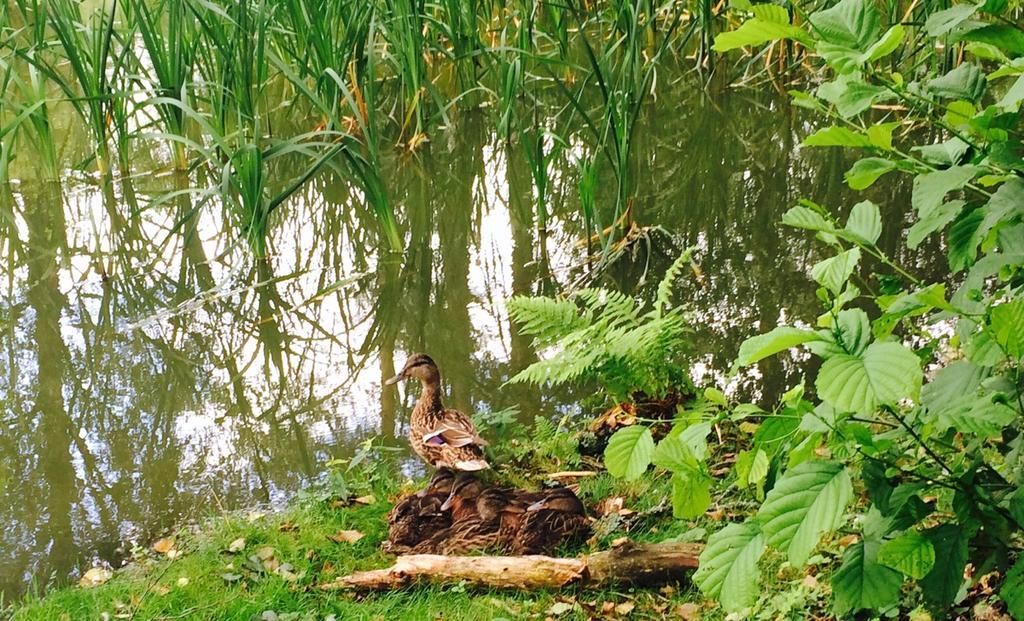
{"x": 471, "y": 465}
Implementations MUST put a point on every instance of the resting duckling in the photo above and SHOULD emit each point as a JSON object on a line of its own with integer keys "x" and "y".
{"x": 419, "y": 515}
{"x": 494, "y": 516}
{"x": 443, "y": 438}
{"x": 461, "y": 501}
{"x": 547, "y": 523}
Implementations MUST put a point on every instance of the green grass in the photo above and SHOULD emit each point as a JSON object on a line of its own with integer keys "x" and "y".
{"x": 153, "y": 588}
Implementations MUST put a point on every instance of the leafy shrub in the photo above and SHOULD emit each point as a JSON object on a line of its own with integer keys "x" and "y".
{"x": 608, "y": 337}
{"x": 940, "y": 456}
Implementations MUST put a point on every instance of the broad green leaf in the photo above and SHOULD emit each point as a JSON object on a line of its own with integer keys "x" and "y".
{"x": 979, "y": 415}
{"x": 629, "y": 452}
{"x": 806, "y": 218}
{"x": 982, "y": 350}
{"x": 808, "y": 501}
{"x": 959, "y": 113}
{"x": 936, "y": 220}
{"x": 757, "y": 31}
{"x": 963, "y": 239}
{"x": 941, "y": 22}
{"x": 1012, "y": 591}
{"x": 1007, "y": 324}
{"x": 880, "y": 135}
{"x": 696, "y": 438}
{"x": 854, "y": 330}
{"x": 965, "y": 82}
{"x": 836, "y": 136}
{"x": 1007, "y": 38}
{"x": 770, "y": 13}
{"x": 886, "y": 45}
{"x": 865, "y": 221}
{"x": 1013, "y": 98}
{"x": 833, "y": 273}
{"x": 848, "y": 93}
{"x": 751, "y": 467}
{"x": 674, "y": 455}
{"x": 866, "y": 171}
{"x": 850, "y": 23}
{"x": 970, "y": 231}
{"x": 779, "y": 339}
{"x": 910, "y": 553}
{"x": 691, "y": 494}
{"x": 952, "y": 382}
{"x": 886, "y": 373}
{"x": 728, "y": 566}
{"x": 943, "y": 582}
{"x": 862, "y": 583}
{"x": 931, "y": 188}
{"x": 946, "y": 153}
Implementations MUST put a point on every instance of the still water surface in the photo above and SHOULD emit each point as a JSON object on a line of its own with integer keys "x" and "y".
{"x": 150, "y": 371}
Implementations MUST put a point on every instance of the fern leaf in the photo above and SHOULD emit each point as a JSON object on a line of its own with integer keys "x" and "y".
{"x": 662, "y": 300}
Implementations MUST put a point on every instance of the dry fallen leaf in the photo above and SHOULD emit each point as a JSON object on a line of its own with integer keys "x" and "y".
{"x": 607, "y": 608}
{"x": 369, "y": 499}
{"x": 163, "y": 546}
{"x": 346, "y": 536}
{"x": 716, "y": 515}
{"x": 810, "y": 582}
{"x": 265, "y": 552}
{"x": 173, "y": 554}
{"x": 161, "y": 589}
{"x": 560, "y": 608}
{"x": 625, "y": 608}
{"x": 611, "y": 505}
{"x": 287, "y": 527}
{"x": 847, "y": 541}
{"x": 95, "y": 577}
{"x": 688, "y": 611}
{"x": 237, "y": 545}
{"x": 182, "y": 582}
{"x": 621, "y": 541}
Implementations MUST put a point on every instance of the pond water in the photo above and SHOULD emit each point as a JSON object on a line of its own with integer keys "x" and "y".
{"x": 151, "y": 371}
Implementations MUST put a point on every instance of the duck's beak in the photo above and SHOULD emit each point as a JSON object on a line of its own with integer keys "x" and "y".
{"x": 394, "y": 380}
{"x": 537, "y": 506}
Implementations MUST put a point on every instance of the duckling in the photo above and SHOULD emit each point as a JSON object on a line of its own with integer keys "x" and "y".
{"x": 558, "y": 517}
{"x": 462, "y": 499}
{"x": 494, "y": 517}
{"x": 418, "y": 515}
{"x": 443, "y": 438}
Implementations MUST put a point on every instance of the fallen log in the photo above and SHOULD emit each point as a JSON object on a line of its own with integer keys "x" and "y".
{"x": 638, "y": 564}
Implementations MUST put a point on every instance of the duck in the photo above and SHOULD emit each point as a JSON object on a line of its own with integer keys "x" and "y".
{"x": 419, "y": 515}
{"x": 443, "y": 438}
{"x": 462, "y": 499}
{"x": 556, "y": 518}
{"x": 493, "y": 519}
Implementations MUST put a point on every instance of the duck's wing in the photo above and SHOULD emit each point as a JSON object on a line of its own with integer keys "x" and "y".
{"x": 454, "y": 430}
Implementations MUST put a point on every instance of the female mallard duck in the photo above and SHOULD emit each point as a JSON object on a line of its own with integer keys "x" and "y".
{"x": 443, "y": 438}
{"x": 558, "y": 517}
{"x": 419, "y": 515}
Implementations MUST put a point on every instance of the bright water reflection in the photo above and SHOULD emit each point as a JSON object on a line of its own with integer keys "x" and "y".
{"x": 151, "y": 371}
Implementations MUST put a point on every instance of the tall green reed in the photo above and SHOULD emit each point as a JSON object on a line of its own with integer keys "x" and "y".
{"x": 169, "y": 32}
{"x": 89, "y": 66}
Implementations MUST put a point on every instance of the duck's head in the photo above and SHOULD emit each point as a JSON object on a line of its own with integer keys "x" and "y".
{"x": 465, "y": 488}
{"x": 493, "y": 502}
{"x": 440, "y": 483}
{"x": 418, "y": 366}
{"x": 559, "y": 499}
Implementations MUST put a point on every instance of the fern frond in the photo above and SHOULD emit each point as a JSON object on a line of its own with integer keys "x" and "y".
{"x": 664, "y": 297}
{"x": 545, "y": 318}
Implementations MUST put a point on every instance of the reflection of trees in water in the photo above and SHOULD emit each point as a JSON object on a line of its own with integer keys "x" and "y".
{"x": 255, "y": 379}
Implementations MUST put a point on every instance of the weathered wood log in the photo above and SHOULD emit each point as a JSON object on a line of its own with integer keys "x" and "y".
{"x": 644, "y": 564}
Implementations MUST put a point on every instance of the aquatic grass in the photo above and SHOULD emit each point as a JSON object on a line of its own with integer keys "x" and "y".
{"x": 97, "y": 58}
{"x": 623, "y": 78}
{"x": 403, "y": 30}
{"x": 169, "y": 34}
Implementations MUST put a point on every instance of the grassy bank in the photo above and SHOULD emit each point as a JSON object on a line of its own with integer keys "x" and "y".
{"x": 255, "y": 565}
